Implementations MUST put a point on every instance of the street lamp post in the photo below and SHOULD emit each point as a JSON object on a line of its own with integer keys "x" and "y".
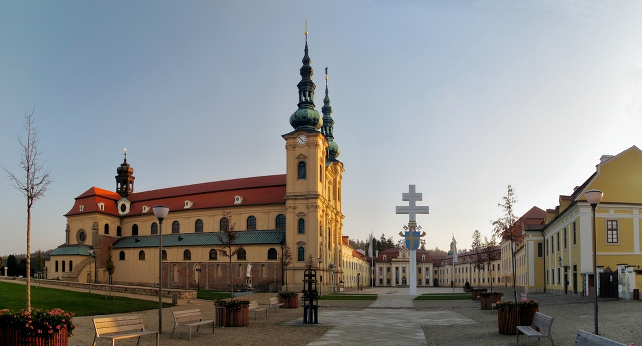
{"x": 92, "y": 254}
{"x": 561, "y": 263}
{"x": 160, "y": 211}
{"x": 593, "y": 197}
{"x": 321, "y": 283}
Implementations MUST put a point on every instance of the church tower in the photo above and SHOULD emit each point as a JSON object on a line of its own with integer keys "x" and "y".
{"x": 313, "y": 183}
{"x": 125, "y": 178}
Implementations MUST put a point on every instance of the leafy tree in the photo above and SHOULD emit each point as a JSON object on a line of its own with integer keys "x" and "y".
{"x": 503, "y": 227}
{"x": 111, "y": 268}
{"x": 476, "y": 247}
{"x": 33, "y": 182}
{"x": 286, "y": 260}
{"x": 228, "y": 247}
{"x": 40, "y": 262}
{"x": 12, "y": 265}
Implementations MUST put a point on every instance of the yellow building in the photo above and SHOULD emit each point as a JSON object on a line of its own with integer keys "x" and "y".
{"x": 392, "y": 268}
{"x": 355, "y": 265}
{"x": 568, "y": 237}
{"x": 300, "y": 209}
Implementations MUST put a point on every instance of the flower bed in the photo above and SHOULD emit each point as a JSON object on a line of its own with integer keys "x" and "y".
{"x": 36, "y": 327}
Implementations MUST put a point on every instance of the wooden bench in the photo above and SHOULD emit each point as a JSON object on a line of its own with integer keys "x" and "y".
{"x": 115, "y": 328}
{"x": 254, "y": 307}
{"x": 189, "y": 319}
{"x": 274, "y": 303}
{"x": 588, "y": 339}
{"x": 541, "y": 328}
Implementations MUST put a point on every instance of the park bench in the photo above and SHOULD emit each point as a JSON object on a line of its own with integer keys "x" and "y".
{"x": 588, "y": 339}
{"x": 115, "y": 328}
{"x": 254, "y": 307}
{"x": 189, "y": 319}
{"x": 541, "y": 328}
{"x": 274, "y": 303}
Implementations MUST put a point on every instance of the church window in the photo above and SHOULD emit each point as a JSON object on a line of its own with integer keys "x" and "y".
{"x": 301, "y": 226}
{"x": 280, "y": 221}
{"x": 272, "y": 255}
{"x": 176, "y": 227}
{"x": 187, "y": 255}
{"x": 106, "y": 228}
{"x": 63, "y": 266}
{"x": 141, "y": 255}
{"x": 164, "y": 256}
{"x": 134, "y": 229}
{"x": 239, "y": 270}
{"x": 213, "y": 255}
{"x": 251, "y": 222}
{"x": 119, "y": 231}
{"x": 301, "y": 254}
{"x": 224, "y": 224}
{"x": 198, "y": 226}
{"x": 301, "y": 170}
{"x": 154, "y": 228}
{"x": 121, "y": 256}
{"x": 321, "y": 173}
{"x": 240, "y": 255}
{"x": 419, "y": 270}
{"x": 71, "y": 266}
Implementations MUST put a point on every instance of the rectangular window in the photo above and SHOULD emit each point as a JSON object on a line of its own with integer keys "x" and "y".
{"x": 558, "y": 241}
{"x": 574, "y": 235}
{"x": 565, "y": 240}
{"x": 611, "y": 232}
{"x": 540, "y": 250}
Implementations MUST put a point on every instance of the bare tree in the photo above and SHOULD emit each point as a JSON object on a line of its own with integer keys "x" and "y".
{"x": 503, "y": 227}
{"x": 33, "y": 182}
{"x": 490, "y": 256}
{"x": 286, "y": 260}
{"x": 476, "y": 246}
{"x": 228, "y": 247}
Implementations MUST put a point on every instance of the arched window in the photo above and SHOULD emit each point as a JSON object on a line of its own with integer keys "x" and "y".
{"x": 240, "y": 255}
{"x": 198, "y": 226}
{"x": 121, "y": 256}
{"x": 280, "y": 221}
{"x": 213, "y": 255}
{"x": 56, "y": 267}
{"x": 251, "y": 222}
{"x": 141, "y": 255}
{"x": 71, "y": 266}
{"x": 63, "y": 266}
{"x": 187, "y": 255}
{"x": 176, "y": 227}
{"x": 154, "y": 228}
{"x": 301, "y": 170}
{"x": 119, "y": 231}
{"x": 301, "y": 226}
{"x": 134, "y": 229}
{"x": 164, "y": 257}
{"x": 224, "y": 224}
{"x": 301, "y": 254}
{"x": 106, "y": 228}
{"x": 272, "y": 254}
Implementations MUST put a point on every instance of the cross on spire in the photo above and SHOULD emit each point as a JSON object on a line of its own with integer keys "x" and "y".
{"x": 413, "y": 209}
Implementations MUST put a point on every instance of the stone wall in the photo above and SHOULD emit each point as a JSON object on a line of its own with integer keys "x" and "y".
{"x": 142, "y": 290}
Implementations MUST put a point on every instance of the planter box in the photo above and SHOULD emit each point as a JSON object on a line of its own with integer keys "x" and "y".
{"x": 289, "y": 302}
{"x": 509, "y": 318}
{"x": 474, "y": 293}
{"x": 234, "y": 317}
{"x": 220, "y": 313}
{"x": 9, "y": 336}
{"x": 487, "y": 302}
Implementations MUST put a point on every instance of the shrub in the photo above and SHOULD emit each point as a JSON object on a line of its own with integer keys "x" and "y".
{"x": 36, "y": 322}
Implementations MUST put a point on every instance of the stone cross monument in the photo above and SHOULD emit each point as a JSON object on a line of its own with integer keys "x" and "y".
{"x": 412, "y": 234}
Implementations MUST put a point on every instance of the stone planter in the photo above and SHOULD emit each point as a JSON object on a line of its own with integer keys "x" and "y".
{"x": 487, "y": 302}
{"x": 9, "y": 336}
{"x": 291, "y": 302}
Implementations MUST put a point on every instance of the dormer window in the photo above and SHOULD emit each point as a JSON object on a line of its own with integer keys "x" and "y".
{"x": 101, "y": 206}
{"x": 82, "y": 208}
{"x": 188, "y": 204}
{"x": 145, "y": 209}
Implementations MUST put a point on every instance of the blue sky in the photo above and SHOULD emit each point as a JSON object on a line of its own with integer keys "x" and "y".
{"x": 459, "y": 98}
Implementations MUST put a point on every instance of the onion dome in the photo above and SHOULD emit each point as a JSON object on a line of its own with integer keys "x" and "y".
{"x": 306, "y": 117}
{"x": 125, "y": 178}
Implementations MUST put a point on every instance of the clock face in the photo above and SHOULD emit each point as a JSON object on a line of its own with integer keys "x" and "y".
{"x": 301, "y": 139}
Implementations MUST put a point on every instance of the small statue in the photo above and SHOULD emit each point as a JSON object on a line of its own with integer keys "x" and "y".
{"x": 249, "y": 270}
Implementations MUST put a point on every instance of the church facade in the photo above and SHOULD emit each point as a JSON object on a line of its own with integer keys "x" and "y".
{"x": 297, "y": 213}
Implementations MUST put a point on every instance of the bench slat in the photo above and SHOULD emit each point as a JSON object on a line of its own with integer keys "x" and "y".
{"x": 189, "y": 319}
{"x": 541, "y": 322}
{"x": 589, "y": 339}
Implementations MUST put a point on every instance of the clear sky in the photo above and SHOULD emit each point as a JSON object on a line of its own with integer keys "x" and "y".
{"x": 460, "y": 98}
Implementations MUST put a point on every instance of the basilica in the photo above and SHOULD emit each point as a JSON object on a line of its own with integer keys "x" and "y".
{"x": 283, "y": 223}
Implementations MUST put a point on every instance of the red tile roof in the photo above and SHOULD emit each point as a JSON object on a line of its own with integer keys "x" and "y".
{"x": 255, "y": 191}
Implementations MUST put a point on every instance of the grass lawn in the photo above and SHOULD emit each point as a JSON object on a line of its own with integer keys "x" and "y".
{"x": 347, "y": 296}
{"x": 212, "y": 295}
{"x": 444, "y": 296}
{"x": 14, "y": 297}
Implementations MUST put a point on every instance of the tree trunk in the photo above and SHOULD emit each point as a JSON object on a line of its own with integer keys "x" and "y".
{"x": 28, "y": 258}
